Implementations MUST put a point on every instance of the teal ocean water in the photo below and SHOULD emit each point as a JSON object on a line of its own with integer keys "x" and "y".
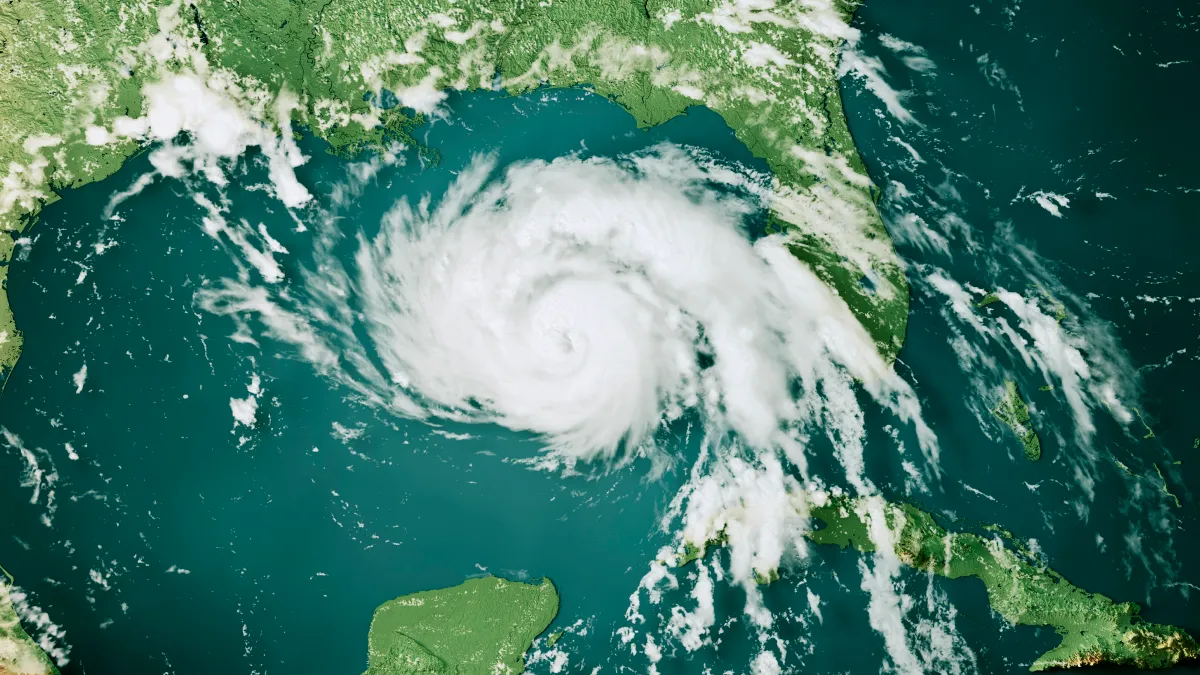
{"x": 160, "y": 537}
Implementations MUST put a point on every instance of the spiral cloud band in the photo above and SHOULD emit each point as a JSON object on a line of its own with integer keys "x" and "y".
{"x": 583, "y": 300}
{"x": 591, "y": 302}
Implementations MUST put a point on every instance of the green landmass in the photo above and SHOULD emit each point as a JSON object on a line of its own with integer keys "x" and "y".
{"x": 481, "y": 627}
{"x": 1056, "y": 306}
{"x": 1166, "y": 489}
{"x": 1149, "y": 431}
{"x": 76, "y": 70}
{"x": 1012, "y": 411}
{"x": 1060, "y": 310}
{"x": 987, "y": 300}
{"x": 19, "y": 654}
{"x": 1093, "y": 628}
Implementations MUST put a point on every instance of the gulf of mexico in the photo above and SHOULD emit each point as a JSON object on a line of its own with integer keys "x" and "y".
{"x": 181, "y": 542}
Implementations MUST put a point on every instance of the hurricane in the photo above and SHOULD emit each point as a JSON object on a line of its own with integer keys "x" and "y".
{"x": 568, "y": 337}
{"x": 610, "y": 306}
{"x": 604, "y": 303}
{"x": 589, "y": 301}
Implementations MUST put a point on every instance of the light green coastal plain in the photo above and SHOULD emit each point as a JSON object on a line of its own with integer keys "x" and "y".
{"x": 19, "y": 654}
{"x": 482, "y": 627}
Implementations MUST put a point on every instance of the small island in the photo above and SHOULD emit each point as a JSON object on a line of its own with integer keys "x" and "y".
{"x": 481, "y": 627}
{"x": 19, "y": 654}
{"x": 1012, "y": 411}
